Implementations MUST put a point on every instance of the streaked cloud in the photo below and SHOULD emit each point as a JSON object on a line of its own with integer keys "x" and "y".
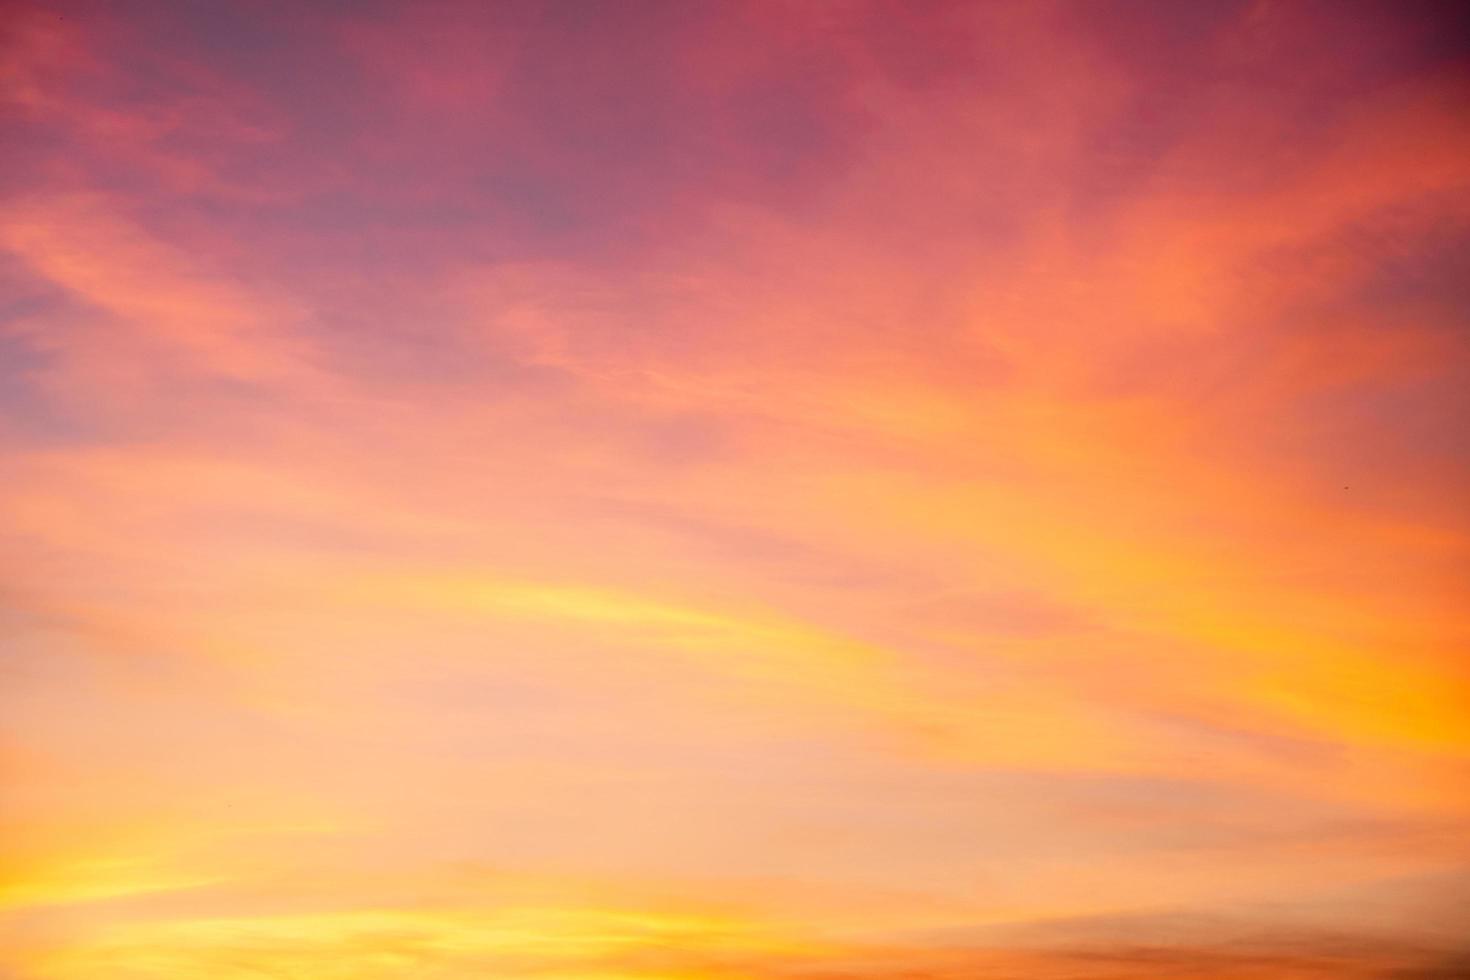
{"x": 665, "y": 492}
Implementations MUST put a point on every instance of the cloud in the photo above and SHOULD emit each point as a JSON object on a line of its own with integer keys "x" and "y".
{"x": 794, "y": 488}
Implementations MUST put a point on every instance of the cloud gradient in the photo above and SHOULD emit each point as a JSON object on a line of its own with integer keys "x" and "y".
{"x": 678, "y": 491}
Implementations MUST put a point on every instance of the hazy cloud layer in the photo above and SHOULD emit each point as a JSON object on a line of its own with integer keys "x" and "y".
{"x": 676, "y": 491}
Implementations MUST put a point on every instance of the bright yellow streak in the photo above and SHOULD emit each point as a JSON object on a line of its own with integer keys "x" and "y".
{"x": 92, "y": 880}
{"x": 372, "y": 944}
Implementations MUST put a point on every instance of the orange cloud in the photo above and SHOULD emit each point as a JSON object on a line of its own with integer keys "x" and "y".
{"x": 757, "y": 491}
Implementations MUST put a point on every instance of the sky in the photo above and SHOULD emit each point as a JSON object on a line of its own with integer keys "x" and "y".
{"x": 702, "y": 490}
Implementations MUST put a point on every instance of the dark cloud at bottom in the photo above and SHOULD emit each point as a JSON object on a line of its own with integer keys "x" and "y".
{"x": 1306, "y": 958}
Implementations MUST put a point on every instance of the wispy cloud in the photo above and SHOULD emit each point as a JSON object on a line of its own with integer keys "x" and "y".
{"x": 794, "y": 491}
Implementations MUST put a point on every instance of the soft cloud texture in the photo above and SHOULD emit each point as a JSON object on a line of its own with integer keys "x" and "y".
{"x": 674, "y": 491}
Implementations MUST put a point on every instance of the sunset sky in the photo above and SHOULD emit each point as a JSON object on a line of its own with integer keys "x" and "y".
{"x": 702, "y": 490}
